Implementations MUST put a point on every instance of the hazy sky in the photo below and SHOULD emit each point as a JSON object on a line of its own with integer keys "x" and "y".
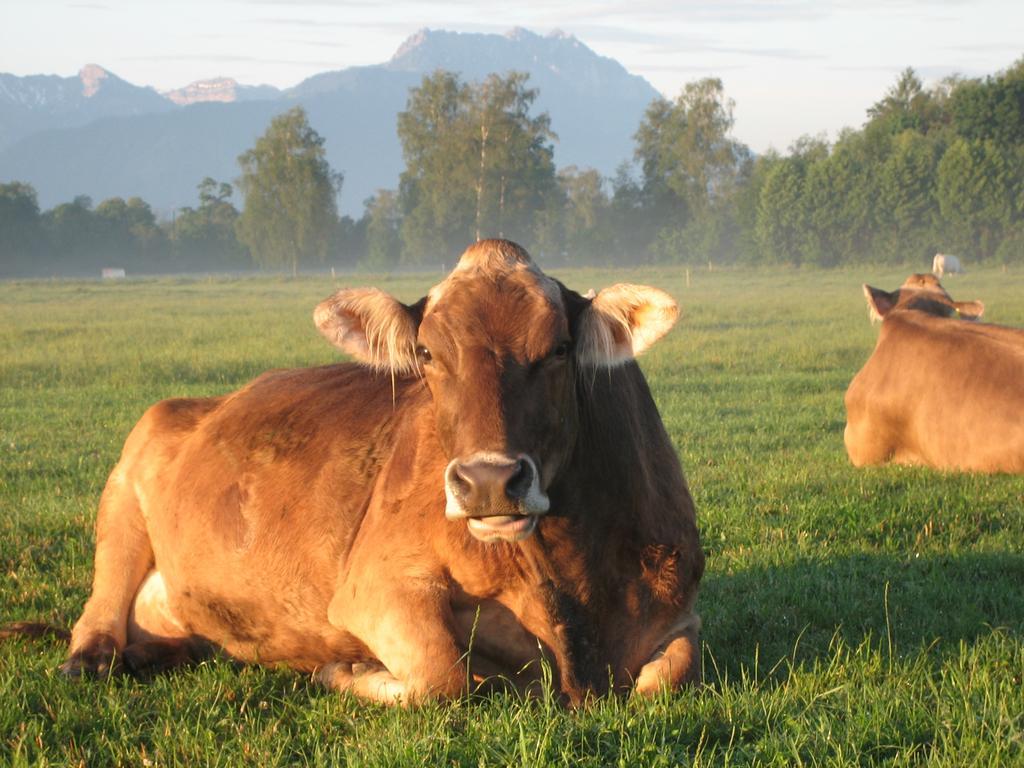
{"x": 792, "y": 67}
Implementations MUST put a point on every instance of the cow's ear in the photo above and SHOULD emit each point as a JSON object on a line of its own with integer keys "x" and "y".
{"x": 969, "y": 310}
{"x": 621, "y": 322}
{"x": 372, "y": 326}
{"x": 880, "y": 303}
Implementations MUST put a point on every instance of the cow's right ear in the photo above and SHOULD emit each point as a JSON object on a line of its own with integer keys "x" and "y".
{"x": 880, "y": 302}
{"x": 372, "y": 326}
{"x": 622, "y": 321}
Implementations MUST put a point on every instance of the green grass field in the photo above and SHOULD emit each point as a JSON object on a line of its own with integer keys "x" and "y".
{"x": 852, "y": 617}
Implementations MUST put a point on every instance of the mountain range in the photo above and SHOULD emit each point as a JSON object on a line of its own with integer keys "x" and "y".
{"x": 98, "y": 135}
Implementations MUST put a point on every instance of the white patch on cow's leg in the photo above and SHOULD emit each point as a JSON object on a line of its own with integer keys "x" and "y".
{"x": 151, "y": 617}
{"x": 371, "y": 682}
{"x": 676, "y": 662}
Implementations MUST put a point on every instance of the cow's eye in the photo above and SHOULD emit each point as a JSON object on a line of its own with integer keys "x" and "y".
{"x": 423, "y": 354}
{"x": 561, "y": 351}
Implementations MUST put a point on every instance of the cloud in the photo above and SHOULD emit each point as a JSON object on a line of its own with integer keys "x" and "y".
{"x": 704, "y": 45}
{"x": 541, "y": 13}
{"x": 231, "y": 59}
{"x": 305, "y": 23}
{"x": 318, "y": 4}
{"x": 730, "y": 11}
{"x": 619, "y": 34}
{"x": 791, "y": 54}
{"x": 690, "y": 68}
{"x": 927, "y": 72}
{"x": 1013, "y": 48}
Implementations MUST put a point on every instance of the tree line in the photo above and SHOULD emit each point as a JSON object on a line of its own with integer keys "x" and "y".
{"x": 932, "y": 169}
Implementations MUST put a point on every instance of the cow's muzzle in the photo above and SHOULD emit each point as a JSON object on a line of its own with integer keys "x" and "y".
{"x": 499, "y": 496}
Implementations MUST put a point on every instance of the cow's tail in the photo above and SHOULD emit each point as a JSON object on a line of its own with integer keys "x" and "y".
{"x": 33, "y": 630}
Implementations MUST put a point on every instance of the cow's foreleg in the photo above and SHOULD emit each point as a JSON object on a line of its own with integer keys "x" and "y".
{"x": 123, "y": 557}
{"x": 410, "y": 633}
{"x": 677, "y": 661}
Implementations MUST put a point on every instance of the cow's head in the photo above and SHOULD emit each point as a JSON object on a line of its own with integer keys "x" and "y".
{"x": 921, "y": 293}
{"x": 500, "y": 345}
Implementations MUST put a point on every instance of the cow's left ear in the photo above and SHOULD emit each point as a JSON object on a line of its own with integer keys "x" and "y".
{"x": 621, "y": 322}
{"x": 969, "y": 310}
{"x": 372, "y": 326}
{"x": 880, "y": 302}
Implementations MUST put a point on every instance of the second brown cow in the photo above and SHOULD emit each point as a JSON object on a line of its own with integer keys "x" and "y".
{"x": 940, "y": 388}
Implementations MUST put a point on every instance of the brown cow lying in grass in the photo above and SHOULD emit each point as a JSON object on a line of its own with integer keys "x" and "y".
{"x": 940, "y": 389}
{"x": 491, "y": 486}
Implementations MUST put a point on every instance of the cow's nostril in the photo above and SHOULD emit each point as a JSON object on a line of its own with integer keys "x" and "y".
{"x": 518, "y": 485}
{"x": 462, "y": 482}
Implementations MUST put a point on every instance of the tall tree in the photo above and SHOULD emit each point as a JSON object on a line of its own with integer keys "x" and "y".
{"x": 906, "y": 105}
{"x": 689, "y": 162}
{"x": 74, "y": 235}
{"x": 783, "y": 228}
{"x": 290, "y": 212}
{"x": 632, "y": 224}
{"x": 130, "y": 232}
{"x": 515, "y": 173}
{"x": 586, "y": 220}
{"x": 436, "y": 187}
{"x": 908, "y": 213}
{"x": 477, "y": 163}
{"x": 20, "y": 227}
{"x": 977, "y": 185}
{"x": 992, "y": 108}
{"x": 204, "y": 237}
{"x": 838, "y": 201}
{"x": 383, "y": 241}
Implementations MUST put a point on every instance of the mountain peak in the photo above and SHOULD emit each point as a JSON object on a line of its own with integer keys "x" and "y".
{"x": 222, "y": 89}
{"x": 92, "y": 77}
{"x": 414, "y": 41}
{"x": 424, "y": 39}
{"x": 521, "y": 33}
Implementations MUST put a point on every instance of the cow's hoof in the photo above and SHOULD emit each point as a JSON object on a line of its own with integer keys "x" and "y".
{"x": 146, "y": 659}
{"x": 153, "y": 657}
{"x": 336, "y": 676}
{"x": 96, "y": 659}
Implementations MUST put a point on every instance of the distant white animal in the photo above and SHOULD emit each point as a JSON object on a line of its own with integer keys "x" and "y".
{"x": 944, "y": 263}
